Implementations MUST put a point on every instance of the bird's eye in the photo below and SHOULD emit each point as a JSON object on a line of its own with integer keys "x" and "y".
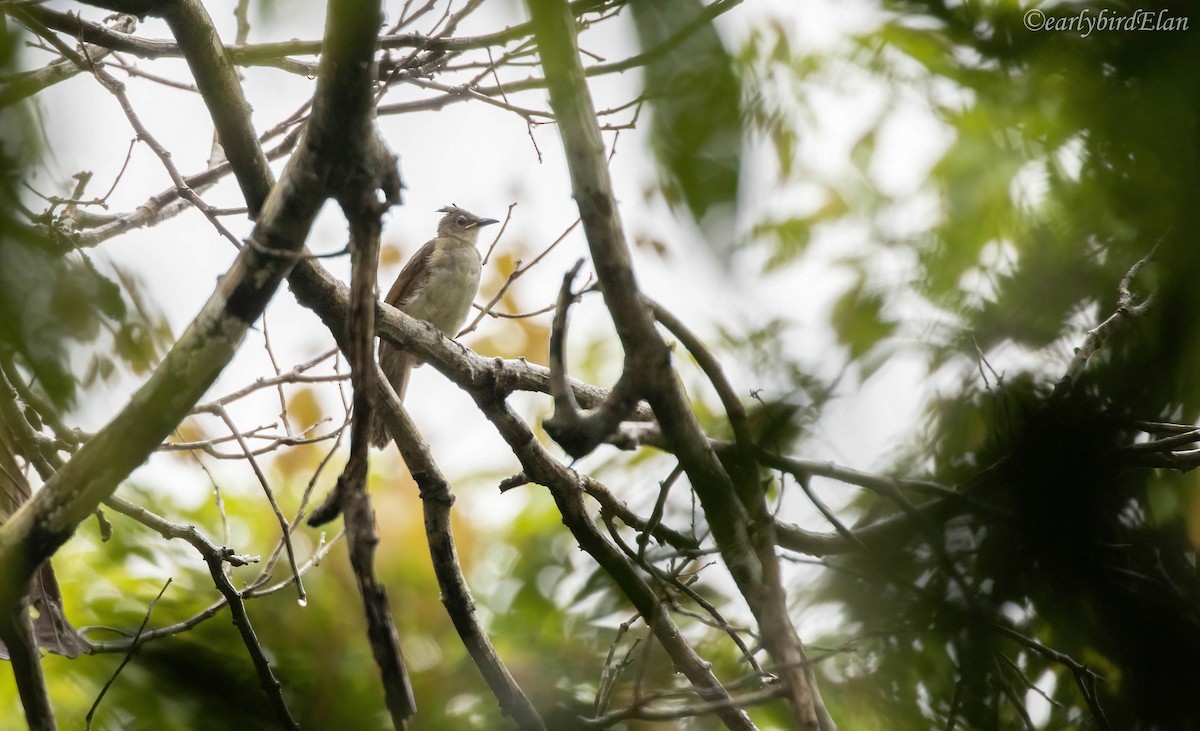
{"x": 461, "y": 220}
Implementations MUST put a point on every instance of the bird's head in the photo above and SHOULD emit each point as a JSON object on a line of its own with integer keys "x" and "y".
{"x": 461, "y": 224}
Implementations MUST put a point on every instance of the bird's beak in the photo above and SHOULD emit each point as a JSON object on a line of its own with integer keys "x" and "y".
{"x": 484, "y": 222}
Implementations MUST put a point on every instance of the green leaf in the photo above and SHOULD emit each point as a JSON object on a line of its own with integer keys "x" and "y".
{"x": 859, "y": 320}
{"x": 695, "y": 95}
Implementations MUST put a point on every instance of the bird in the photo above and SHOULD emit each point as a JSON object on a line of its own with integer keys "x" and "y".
{"x": 437, "y": 285}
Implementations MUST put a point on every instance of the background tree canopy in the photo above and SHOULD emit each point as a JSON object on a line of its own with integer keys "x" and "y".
{"x": 983, "y": 209}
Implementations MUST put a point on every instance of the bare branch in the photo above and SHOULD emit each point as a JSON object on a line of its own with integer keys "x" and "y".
{"x": 436, "y": 500}
{"x": 732, "y": 507}
{"x": 16, "y": 631}
{"x": 33, "y": 82}
{"x": 215, "y": 559}
{"x": 117, "y": 89}
{"x": 208, "y": 550}
{"x": 46, "y": 521}
{"x": 610, "y": 505}
{"x": 284, "y": 526}
{"x": 1084, "y": 676}
{"x": 1095, "y": 337}
{"x": 579, "y": 433}
{"x": 644, "y": 711}
{"x": 364, "y": 212}
{"x": 133, "y": 647}
{"x": 565, "y": 488}
{"x": 517, "y": 273}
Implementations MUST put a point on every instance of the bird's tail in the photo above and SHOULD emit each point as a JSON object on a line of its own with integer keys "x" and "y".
{"x": 396, "y": 365}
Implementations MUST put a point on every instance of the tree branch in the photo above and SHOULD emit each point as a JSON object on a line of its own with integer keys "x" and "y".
{"x": 436, "y": 500}
{"x": 46, "y": 521}
{"x": 1095, "y": 337}
{"x": 565, "y": 487}
{"x": 365, "y": 213}
{"x": 218, "y": 83}
{"x": 579, "y": 433}
{"x": 737, "y": 512}
{"x": 16, "y": 630}
{"x": 31, "y": 83}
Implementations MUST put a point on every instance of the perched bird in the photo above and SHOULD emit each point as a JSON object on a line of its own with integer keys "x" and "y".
{"x": 438, "y": 285}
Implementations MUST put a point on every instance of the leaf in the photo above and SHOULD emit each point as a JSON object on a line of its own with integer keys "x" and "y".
{"x": 28, "y": 325}
{"x": 791, "y": 239}
{"x": 695, "y": 95}
{"x": 51, "y": 295}
{"x": 859, "y": 320}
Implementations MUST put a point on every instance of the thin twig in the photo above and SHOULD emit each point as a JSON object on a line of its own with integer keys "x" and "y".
{"x": 133, "y": 647}
{"x": 117, "y": 89}
{"x": 284, "y": 525}
{"x": 1095, "y": 337}
{"x": 517, "y": 273}
{"x": 436, "y": 501}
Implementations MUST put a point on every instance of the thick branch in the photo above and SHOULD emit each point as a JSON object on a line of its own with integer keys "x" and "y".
{"x": 217, "y": 81}
{"x": 743, "y": 528}
{"x": 579, "y": 433}
{"x": 48, "y": 520}
{"x": 16, "y": 630}
{"x": 566, "y": 489}
{"x": 489, "y": 380}
{"x": 327, "y": 296}
{"x": 365, "y": 216}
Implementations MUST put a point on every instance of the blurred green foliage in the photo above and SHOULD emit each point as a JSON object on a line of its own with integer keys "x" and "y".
{"x": 1071, "y": 157}
{"x": 55, "y": 302}
{"x": 52, "y": 297}
{"x": 552, "y": 629}
{"x": 203, "y": 678}
{"x": 695, "y": 94}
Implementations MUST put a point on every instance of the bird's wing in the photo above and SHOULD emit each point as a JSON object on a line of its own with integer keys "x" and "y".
{"x": 412, "y": 276}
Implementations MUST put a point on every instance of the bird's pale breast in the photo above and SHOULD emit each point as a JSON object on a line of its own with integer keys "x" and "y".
{"x": 445, "y": 297}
